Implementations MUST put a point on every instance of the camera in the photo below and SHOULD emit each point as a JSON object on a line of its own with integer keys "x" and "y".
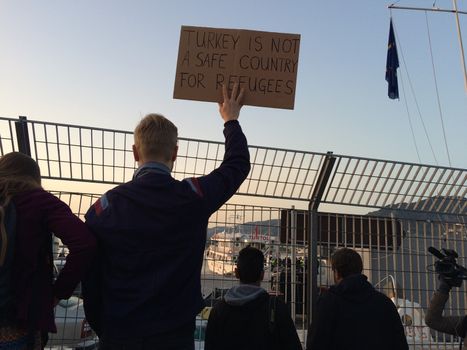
{"x": 447, "y": 266}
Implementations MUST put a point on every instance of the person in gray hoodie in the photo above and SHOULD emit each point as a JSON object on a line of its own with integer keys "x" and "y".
{"x": 248, "y": 317}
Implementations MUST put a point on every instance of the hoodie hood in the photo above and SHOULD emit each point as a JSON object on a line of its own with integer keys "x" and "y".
{"x": 242, "y": 294}
{"x": 354, "y": 288}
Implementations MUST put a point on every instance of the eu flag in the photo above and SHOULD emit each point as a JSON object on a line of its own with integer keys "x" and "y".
{"x": 392, "y": 63}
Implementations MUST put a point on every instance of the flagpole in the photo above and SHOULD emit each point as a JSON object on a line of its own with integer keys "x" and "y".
{"x": 459, "y": 35}
{"x": 429, "y": 9}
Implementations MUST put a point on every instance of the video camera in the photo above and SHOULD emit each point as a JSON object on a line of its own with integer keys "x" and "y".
{"x": 447, "y": 266}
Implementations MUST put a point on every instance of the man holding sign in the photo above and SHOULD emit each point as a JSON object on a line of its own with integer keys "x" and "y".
{"x": 146, "y": 291}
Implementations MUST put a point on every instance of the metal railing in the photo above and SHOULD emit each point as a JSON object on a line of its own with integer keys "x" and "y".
{"x": 395, "y": 185}
{"x": 77, "y": 153}
{"x": 407, "y": 208}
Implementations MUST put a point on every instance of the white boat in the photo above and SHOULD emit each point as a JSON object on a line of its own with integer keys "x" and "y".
{"x": 222, "y": 252}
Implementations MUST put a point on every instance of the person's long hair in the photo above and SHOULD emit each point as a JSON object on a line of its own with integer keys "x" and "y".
{"x": 18, "y": 173}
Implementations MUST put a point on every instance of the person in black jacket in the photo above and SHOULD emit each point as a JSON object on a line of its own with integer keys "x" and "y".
{"x": 145, "y": 290}
{"x": 352, "y": 314}
{"x": 248, "y": 317}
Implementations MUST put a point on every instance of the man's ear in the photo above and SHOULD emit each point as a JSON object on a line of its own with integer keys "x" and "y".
{"x": 337, "y": 276}
{"x": 175, "y": 153}
{"x": 135, "y": 153}
{"x": 237, "y": 276}
{"x": 262, "y": 276}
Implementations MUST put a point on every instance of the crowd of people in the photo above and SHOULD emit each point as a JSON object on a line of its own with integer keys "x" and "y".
{"x": 139, "y": 256}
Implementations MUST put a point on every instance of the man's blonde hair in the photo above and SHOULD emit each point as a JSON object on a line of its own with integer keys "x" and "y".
{"x": 156, "y": 137}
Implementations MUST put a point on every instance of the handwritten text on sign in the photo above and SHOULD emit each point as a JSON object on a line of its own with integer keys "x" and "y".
{"x": 265, "y": 64}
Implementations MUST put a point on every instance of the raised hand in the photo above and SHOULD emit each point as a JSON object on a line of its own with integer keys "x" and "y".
{"x": 230, "y": 107}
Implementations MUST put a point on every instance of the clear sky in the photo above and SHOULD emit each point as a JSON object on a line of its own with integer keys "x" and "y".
{"x": 107, "y": 63}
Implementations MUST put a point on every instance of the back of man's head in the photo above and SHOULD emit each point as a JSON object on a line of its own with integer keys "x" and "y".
{"x": 156, "y": 138}
{"x": 250, "y": 265}
{"x": 346, "y": 262}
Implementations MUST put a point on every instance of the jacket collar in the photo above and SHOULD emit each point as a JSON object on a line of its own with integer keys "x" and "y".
{"x": 151, "y": 167}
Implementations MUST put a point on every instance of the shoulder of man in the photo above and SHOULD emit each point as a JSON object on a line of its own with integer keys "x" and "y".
{"x": 103, "y": 205}
{"x": 218, "y": 304}
{"x": 274, "y": 301}
{"x": 384, "y": 299}
{"x": 329, "y": 302}
{"x": 218, "y": 310}
{"x": 382, "y": 303}
{"x": 100, "y": 208}
{"x": 194, "y": 185}
{"x": 330, "y": 294}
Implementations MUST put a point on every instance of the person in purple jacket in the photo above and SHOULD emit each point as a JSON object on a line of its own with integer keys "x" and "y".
{"x": 151, "y": 233}
{"x": 27, "y": 291}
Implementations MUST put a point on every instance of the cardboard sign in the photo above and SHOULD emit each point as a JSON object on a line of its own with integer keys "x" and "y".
{"x": 265, "y": 64}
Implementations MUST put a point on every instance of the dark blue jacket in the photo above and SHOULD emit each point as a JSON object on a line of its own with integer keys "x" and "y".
{"x": 353, "y": 315}
{"x": 152, "y": 233}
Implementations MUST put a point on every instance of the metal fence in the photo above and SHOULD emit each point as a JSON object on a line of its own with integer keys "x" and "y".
{"x": 390, "y": 212}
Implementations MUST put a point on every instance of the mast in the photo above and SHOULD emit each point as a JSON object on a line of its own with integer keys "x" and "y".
{"x": 459, "y": 34}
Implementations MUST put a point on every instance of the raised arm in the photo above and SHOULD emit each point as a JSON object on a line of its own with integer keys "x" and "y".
{"x": 447, "y": 324}
{"x": 221, "y": 184}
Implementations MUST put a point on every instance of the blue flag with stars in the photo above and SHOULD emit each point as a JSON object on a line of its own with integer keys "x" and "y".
{"x": 392, "y": 63}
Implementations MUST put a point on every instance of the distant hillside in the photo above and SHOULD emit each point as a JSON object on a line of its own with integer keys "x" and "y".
{"x": 409, "y": 211}
{"x": 267, "y": 227}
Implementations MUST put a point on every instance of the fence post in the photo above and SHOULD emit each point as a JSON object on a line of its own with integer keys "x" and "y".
{"x": 22, "y": 135}
{"x": 312, "y": 268}
{"x": 293, "y": 263}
